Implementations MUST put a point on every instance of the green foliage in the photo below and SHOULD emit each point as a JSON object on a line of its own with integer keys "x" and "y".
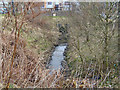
{"x": 11, "y": 86}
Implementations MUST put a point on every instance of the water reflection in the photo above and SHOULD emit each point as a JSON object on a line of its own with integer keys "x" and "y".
{"x": 58, "y": 57}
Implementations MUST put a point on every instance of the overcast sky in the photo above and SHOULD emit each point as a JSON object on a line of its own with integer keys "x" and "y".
{"x": 62, "y": 0}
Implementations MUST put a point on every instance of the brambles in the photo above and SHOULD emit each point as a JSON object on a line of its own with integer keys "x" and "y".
{"x": 20, "y": 65}
{"x": 93, "y": 41}
{"x": 27, "y": 37}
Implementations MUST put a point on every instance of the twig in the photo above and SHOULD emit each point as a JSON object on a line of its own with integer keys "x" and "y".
{"x": 105, "y": 77}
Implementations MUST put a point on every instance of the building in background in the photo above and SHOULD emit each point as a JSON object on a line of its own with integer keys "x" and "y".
{"x": 48, "y": 6}
{"x": 3, "y": 7}
{"x": 67, "y": 6}
{"x": 57, "y": 6}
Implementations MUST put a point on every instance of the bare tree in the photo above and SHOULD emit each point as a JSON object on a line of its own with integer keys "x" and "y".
{"x": 94, "y": 36}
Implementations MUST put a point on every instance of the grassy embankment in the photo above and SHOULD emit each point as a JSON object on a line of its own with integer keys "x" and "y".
{"x": 37, "y": 38}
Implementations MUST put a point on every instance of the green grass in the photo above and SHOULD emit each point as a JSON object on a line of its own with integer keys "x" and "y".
{"x": 2, "y": 14}
{"x": 52, "y": 17}
{"x": 37, "y": 43}
{"x": 57, "y": 16}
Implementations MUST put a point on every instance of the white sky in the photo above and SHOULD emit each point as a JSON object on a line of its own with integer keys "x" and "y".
{"x": 62, "y": 0}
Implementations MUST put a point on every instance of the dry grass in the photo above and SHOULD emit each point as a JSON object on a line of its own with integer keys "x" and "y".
{"x": 28, "y": 67}
{"x": 33, "y": 49}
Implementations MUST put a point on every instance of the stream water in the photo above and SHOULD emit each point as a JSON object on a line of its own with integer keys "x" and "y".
{"x": 57, "y": 57}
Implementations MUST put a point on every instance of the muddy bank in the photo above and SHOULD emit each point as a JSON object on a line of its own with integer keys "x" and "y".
{"x": 49, "y": 53}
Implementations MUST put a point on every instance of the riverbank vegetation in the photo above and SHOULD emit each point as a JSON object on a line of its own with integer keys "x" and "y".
{"x": 29, "y": 36}
{"x": 93, "y": 43}
{"x": 26, "y": 42}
